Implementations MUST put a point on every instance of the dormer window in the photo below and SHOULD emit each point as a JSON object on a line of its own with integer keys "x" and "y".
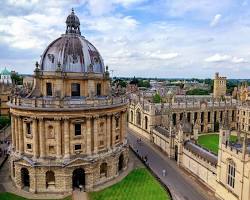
{"x": 75, "y": 89}
{"x": 49, "y": 89}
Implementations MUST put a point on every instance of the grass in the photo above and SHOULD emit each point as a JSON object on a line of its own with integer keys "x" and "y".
{"x": 211, "y": 141}
{"x": 138, "y": 185}
{"x": 10, "y": 196}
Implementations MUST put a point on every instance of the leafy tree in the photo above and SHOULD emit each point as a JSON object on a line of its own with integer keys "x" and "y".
{"x": 16, "y": 79}
{"x": 198, "y": 92}
{"x": 4, "y": 121}
{"x": 157, "y": 98}
{"x": 144, "y": 83}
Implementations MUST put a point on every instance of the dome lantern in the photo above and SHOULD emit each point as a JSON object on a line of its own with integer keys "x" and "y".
{"x": 73, "y": 24}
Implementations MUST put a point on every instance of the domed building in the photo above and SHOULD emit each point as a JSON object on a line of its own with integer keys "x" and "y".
{"x": 70, "y": 130}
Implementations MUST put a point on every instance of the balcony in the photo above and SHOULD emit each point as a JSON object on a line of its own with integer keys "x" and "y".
{"x": 67, "y": 103}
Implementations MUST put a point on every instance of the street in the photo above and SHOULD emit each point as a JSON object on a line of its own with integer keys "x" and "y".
{"x": 181, "y": 185}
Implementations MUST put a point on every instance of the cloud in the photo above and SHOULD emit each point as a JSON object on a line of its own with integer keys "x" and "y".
{"x": 225, "y": 58}
{"x": 215, "y": 20}
{"x": 163, "y": 56}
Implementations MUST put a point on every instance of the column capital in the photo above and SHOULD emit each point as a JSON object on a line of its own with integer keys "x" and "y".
{"x": 57, "y": 118}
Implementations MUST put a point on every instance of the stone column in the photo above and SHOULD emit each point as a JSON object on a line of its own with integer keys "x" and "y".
{"x": 58, "y": 139}
{"x": 42, "y": 138}
{"x": 13, "y": 136}
{"x": 96, "y": 124}
{"x": 21, "y": 139}
{"x": 108, "y": 130}
{"x": 16, "y": 134}
{"x": 88, "y": 136}
{"x": 66, "y": 138}
{"x": 35, "y": 138}
{"x": 113, "y": 131}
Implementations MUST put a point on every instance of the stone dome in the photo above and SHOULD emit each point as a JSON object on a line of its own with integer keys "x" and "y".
{"x": 72, "y": 52}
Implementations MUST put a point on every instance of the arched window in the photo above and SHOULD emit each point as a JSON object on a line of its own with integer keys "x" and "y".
{"x": 75, "y": 89}
{"x": 231, "y": 173}
{"x": 117, "y": 119}
{"x": 120, "y": 162}
{"x": 103, "y": 170}
{"x": 131, "y": 116}
{"x": 146, "y": 122}
{"x": 50, "y": 179}
{"x": 138, "y": 117}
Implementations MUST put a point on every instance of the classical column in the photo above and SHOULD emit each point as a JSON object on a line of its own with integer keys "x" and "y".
{"x": 96, "y": 124}
{"x": 113, "y": 131}
{"x": 35, "y": 138}
{"x": 108, "y": 130}
{"x": 42, "y": 138}
{"x": 21, "y": 139}
{"x": 66, "y": 138}
{"x": 16, "y": 134}
{"x": 88, "y": 136}
{"x": 123, "y": 125}
{"x": 13, "y": 135}
{"x": 58, "y": 139}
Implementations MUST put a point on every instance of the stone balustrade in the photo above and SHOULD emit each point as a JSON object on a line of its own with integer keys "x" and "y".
{"x": 67, "y": 102}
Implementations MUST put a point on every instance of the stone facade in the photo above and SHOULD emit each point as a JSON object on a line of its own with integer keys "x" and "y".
{"x": 172, "y": 129}
{"x": 70, "y": 130}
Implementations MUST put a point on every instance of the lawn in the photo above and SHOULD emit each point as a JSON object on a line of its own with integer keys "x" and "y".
{"x": 211, "y": 141}
{"x": 138, "y": 185}
{"x": 10, "y": 196}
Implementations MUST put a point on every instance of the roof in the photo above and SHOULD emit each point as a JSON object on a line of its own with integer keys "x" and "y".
{"x": 5, "y": 72}
{"x": 163, "y": 131}
{"x": 196, "y": 149}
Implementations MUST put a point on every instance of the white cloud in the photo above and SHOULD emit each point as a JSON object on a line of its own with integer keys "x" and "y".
{"x": 225, "y": 58}
{"x": 163, "y": 56}
{"x": 215, "y": 20}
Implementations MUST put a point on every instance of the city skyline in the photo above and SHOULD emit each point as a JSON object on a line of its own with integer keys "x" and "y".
{"x": 168, "y": 38}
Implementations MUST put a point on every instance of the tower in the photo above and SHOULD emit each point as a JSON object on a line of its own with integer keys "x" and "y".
{"x": 220, "y": 86}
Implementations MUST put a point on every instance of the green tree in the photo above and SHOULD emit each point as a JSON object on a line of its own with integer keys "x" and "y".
{"x": 157, "y": 98}
{"x": 197, "y": 92}
{"x": 16, "y": 79}
{"x": 4, "y": 121}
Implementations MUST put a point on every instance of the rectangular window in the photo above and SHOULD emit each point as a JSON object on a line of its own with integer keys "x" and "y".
{"x": 28, "y": 127}
{"x": 98, "y": 89}
{"x": 208, "y": 117}
{"x": 117, "y": 137}
{"x": 101, "y": 143}
{"x": 75, "y": 89}
{"x": 49, "y": 89}
{"x": 78, "y": 129}
{"x": 29, "y": 146}
{"x": 78, "y": 147}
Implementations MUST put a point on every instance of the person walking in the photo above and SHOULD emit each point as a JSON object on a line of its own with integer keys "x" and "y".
{"x": 163, "y": 172}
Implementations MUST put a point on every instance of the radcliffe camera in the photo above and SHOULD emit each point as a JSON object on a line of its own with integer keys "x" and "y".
{"x": 124, "y": 100}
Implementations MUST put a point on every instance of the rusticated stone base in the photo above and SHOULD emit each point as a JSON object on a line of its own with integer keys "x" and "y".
{"x": 58, "y": 177}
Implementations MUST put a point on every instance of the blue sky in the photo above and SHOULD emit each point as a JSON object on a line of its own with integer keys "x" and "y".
{"x": 151, "y": 38}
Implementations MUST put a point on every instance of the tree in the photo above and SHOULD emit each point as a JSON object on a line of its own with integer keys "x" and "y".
{"x": 197, "y": 92}
{"x": 16, "y": 79}
{"x": 157, "y": 98}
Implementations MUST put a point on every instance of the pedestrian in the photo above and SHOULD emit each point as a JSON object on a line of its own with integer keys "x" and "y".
{"x": 163, "y": 172}
{"x": 80, "y": 187}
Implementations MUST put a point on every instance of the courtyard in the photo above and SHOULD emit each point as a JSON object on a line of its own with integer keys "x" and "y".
{"x": 211, "y": 141}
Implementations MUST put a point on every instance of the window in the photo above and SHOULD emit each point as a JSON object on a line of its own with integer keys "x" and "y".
{"x": 28, "y": 128}
{"x": 78, "y": 129}
{"x": 29, "y": 146}
{"x": 231, "y": 174}
{"x": 78, "y": 147}
{"x": 49, "y": 89}
{"x": 98, "y": 89}
{"x": 101, "y": 143}
{"x": 208, "y": 117}
{"x": 138, "y": 117}
{"x": 146, "y": 122}
{"x": 117, "y": 122}
{"x": 131, "y": 116}
{"x": 117, "y": 137}
{"x": 75, "y": 89}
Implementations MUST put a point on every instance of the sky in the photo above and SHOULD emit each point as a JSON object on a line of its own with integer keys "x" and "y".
{"x": 142, "y": 38}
